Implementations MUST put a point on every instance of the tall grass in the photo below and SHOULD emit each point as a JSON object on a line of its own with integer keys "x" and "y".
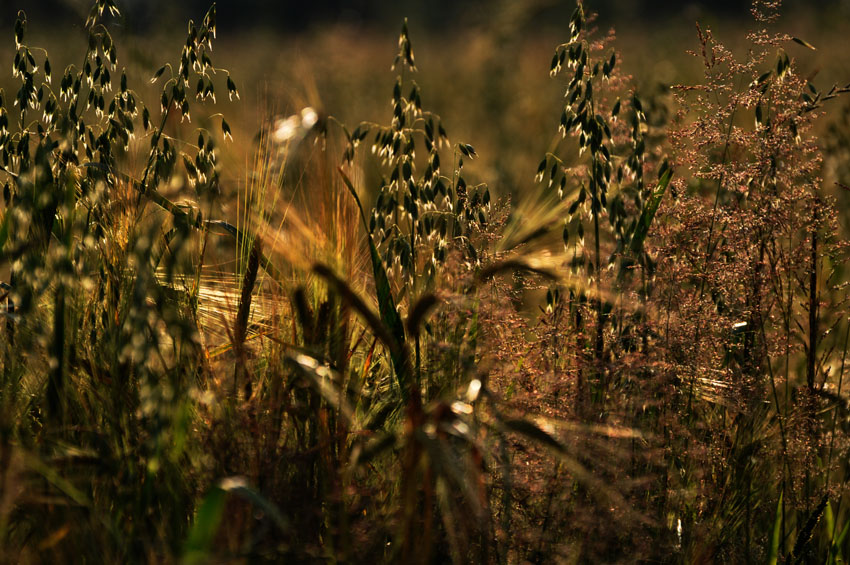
{"x": 376, "y": 359}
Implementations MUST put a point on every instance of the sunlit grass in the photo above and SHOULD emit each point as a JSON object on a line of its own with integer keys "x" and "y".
{"x": 334, "y": 315}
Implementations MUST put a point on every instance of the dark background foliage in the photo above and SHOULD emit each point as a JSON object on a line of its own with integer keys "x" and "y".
{"x": 296, "y": 15}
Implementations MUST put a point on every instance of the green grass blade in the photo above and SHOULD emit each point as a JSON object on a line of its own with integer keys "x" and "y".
{"x": 648, "y": 214}
{"x": 353, "y": 192}
{"x": 386, "y": 303}
{"x": 835, "y": 555}
{"x": 211, "y": 511}
{"x": 206, "y": 524}
{"x": 829, "y": 520}
{"x": 359, "y": 305}
{"x": 58, "y": 481}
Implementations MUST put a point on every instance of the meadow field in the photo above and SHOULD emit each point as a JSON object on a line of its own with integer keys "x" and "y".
{"x": 513, "y": 283}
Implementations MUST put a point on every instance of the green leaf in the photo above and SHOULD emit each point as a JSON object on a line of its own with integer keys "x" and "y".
{"x": 211, "y": 511}
{"x": 52, "y": 476}
{"x": 835, "y": 551}
{"x": 648, "y": 213}
{"x": 207, "y": 520}
{"x": 386, "y": 303}
{"x": 829, "y": 519}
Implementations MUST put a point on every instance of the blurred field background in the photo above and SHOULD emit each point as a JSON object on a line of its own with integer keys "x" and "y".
{"x": 483, "y": 65}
